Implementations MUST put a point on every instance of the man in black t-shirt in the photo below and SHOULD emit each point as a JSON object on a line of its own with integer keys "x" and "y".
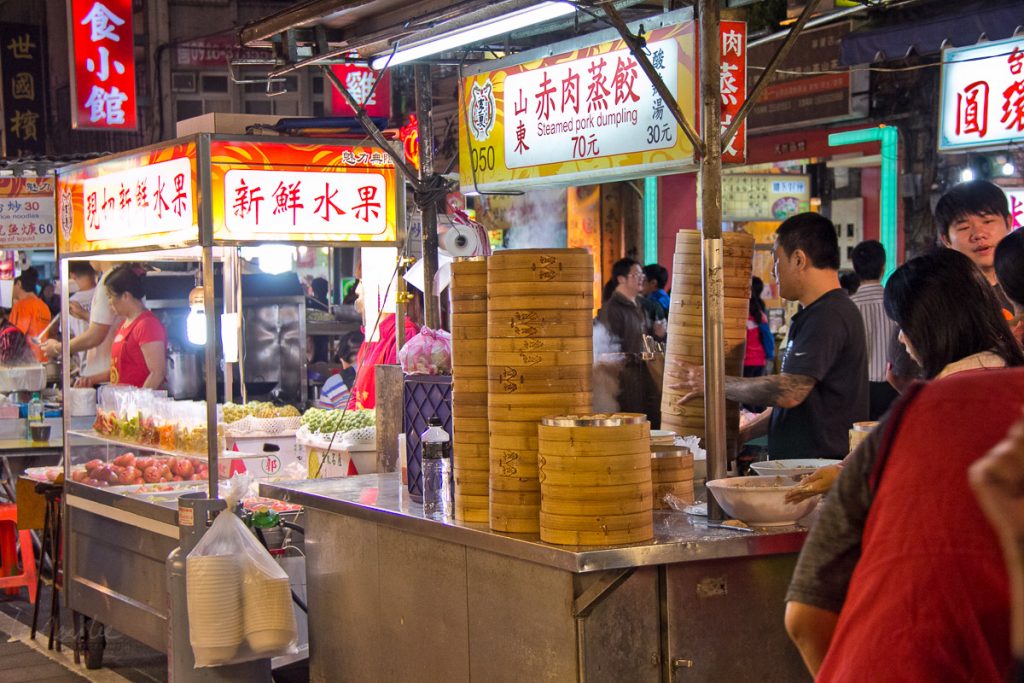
{"x": 822, "y": 388}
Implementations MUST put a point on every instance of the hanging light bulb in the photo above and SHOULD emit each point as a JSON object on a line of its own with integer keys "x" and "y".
{"x": 966, "y": 175}
{"x": 195, "y": 323}
{"x": 1008, "y": 168}
{"x": 275, "y": 258}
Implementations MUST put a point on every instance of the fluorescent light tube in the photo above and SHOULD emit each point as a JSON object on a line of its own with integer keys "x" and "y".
{"x": 474, "y": 34}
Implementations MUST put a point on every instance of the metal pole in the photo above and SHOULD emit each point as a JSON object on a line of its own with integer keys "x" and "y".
{"x": 667, "y": 96}
{"x": 769, "y": 71}
{"x": 210, "y": 367}
{"x": 711, "y": 273}
{"x": 424, "y": 109}
{"x": 231, "y": 282}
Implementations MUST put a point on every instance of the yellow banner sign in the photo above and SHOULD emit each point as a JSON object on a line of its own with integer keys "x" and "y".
{"x": 590, "y": 115}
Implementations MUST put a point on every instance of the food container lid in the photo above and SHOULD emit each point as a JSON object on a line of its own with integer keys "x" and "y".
{"x": 594, "y": 420}
{"x": 668, "y": 450}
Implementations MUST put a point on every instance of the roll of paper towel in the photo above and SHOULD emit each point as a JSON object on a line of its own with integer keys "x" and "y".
{"x": 81, "y": 402}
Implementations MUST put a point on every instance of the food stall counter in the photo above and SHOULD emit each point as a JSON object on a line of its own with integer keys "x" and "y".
{"x": 442, "y": 595}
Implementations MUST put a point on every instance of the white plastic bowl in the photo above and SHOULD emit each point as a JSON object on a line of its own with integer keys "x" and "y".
{"x": 760, "y": 501}
{"x": 790, "y": 468}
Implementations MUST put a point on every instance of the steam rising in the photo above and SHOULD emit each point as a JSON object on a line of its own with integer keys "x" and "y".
{"x": 606, "y": 375}
{"x": 537, "y": 220}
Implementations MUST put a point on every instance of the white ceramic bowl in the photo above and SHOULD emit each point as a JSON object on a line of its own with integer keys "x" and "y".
{"x": 760, "y": 501}
{"x": 790, "y": 468}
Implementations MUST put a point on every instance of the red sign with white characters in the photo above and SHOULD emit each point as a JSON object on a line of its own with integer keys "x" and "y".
{"x": 102, "y": 65}
{"x": 734, "y": 86}
{"x": 359, "y": 81}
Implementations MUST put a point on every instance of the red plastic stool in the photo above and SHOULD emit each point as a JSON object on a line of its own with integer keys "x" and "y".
{"x": 9, "y": 534}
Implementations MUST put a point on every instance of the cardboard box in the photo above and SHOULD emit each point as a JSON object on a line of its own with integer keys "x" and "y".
{"x": 225, "y": 124}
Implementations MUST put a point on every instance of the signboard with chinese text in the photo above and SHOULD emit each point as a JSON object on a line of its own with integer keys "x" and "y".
{"x": 144, "y": 198}
{"x": 102, "y": 64}
{"x": 734, "y": 86}
{"x": 213, "y": 52}
{"x": 1015, "y": 198}
{"x": 26, "y": 213}
{"x": 809, "y": 87}
{"x": 275, "y": 191}
{"x": 751, "y": 197}
{"x": 587, "y": 115}
{"x": 982, "y": 95}
{"x": 359, "y": 80}
{"x": 24, "y": 112}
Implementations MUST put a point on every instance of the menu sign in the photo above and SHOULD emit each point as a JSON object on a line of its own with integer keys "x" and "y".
{"x": 752, "y": 197}
{"x": 26, "y": 213}
{"x": 21, "y": 68}
{"x": 102, "y": 64}
{"x": 586, "y": 115}
{"x": 982, "y": 95}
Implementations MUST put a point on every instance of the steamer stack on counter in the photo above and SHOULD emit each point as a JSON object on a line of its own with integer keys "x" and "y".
{"x": 469, "y": 388}
{"x": 686, "y": 327}
{"x": 539, "y": 363}
{"x": 595, "y": 479}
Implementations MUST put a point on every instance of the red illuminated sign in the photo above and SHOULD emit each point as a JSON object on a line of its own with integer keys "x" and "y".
{"x": 102, "y": 64}
{"x": 734, "y": 86}
{"x": 359, "y": 81}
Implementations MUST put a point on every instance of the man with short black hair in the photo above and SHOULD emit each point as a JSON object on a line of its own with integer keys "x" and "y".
{"x": 823, "y": 385}
{"x": 973, "y": 217}
{"x": 869, "y": 263}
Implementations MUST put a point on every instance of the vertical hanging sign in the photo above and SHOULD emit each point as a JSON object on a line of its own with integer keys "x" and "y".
{"x": 734, "y": 86}
{"x": 21, "y": 68}
{"x": 102, "y": 64}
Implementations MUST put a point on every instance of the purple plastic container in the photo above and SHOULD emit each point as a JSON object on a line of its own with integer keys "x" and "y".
{"x": 424, "y": 396}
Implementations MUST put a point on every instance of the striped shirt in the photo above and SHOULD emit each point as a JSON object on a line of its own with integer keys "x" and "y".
{"x": 878, "y": 328}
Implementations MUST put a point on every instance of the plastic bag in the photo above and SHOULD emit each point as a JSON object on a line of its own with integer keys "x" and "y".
{"x": 428, "y": 353}
{"x": 239, "y": 598}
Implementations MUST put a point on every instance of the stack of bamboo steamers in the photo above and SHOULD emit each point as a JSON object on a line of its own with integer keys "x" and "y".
{"x": 539, "y": 363}
{"x": 686, "y": 327}
{"x": 469, "y": 388}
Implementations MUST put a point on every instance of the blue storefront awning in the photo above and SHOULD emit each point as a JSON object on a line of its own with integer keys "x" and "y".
{"x": 923, "y": 35}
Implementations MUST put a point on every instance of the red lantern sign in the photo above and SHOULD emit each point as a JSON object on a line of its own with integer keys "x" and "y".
{"x": 102, "y": 65}
{"x": 410, "y": 135}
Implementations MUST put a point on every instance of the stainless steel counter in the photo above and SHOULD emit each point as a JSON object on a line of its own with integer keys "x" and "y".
{"x": 407, "y": 595}
{"x": 678, "y": 537}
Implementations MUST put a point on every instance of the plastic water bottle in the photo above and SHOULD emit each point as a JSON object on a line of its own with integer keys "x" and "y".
{"x": 438, "y": 485}
{"x": 35, "y": 413}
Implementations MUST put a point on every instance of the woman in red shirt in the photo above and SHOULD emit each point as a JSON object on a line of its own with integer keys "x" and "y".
{"x": 139, "y": 351}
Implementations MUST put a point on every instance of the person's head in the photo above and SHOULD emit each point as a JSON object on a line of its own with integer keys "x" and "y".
{"x": 757, "y": 306}
{"x": 82, "y": 274}
{"x": 126, "y": 288}
{"x": 869, "y": 260}
{"x": 806, "y": 254}
{"x": 47, "y": 290}
{"x": 656, "y": 277}
{"x": 973, "y": 217}
{"x": 1009, "y": 264}
{"x": 26, "y": 283}
{"x": 946, "y": 311}
{"x": 628, "y": 277}
{"x": 849, "y": 281}
{"x": 319, "y": 287}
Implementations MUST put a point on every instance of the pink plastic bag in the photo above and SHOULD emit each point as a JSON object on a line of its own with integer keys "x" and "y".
{"x": 428, "y": 353}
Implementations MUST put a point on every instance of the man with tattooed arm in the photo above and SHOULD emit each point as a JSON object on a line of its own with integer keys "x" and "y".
{"x": 823, "y": 385}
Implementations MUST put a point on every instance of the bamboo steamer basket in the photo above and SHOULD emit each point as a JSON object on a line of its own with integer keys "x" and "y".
{"x": 470, "y": 306}
{"x": 686, "y": 327}
{"x": 461, "y": 411}
{"x": 469, "y": 319}
{"x": 467, "y": 333}
{"x": 539, "y": 358}
{"x": 672, "y": 474}
{"x": 470, "y": 372}
{"x": 592, "y": 492}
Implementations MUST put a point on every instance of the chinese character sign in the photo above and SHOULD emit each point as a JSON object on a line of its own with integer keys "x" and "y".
{"x": 733, "y": 51}
{"x": 590, "y": 114}
{"x": 305, "y": 202}
{"x": 752, "y": 197}
{"x": 982, "y": 95}
{"x": 103, "y": 64}
{"x": 26, "y": 213}
{"x": 360, "y": 80}
{"x": 157, "y": 198}
{"x": 21, "y": 67}
{"x": 1015, "y": 199}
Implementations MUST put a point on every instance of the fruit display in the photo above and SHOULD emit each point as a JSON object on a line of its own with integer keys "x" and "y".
{"x": 318, "y": 421}
{"x": 129, "y": 469}
{"x": 234, "y": 412}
